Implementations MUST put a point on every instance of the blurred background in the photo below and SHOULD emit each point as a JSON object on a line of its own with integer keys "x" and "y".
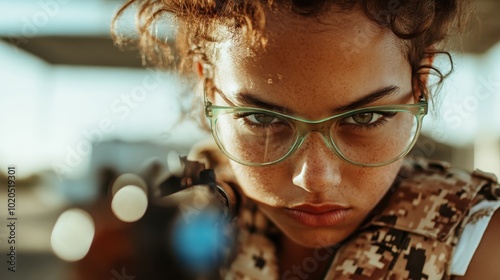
{"x": 75, "y": 112}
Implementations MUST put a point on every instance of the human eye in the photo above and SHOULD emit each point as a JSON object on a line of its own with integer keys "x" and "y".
{"x": 261, "y": 120}
{"x": 368, "y": 120}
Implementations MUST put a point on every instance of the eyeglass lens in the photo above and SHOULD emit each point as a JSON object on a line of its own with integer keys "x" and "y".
{"x": 366, "y": 138}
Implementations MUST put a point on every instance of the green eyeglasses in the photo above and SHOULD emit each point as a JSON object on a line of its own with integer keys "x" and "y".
{"x": 371, "y": 136}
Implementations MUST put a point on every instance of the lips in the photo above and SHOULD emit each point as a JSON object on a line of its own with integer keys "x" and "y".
{"x": 318, "y": 215}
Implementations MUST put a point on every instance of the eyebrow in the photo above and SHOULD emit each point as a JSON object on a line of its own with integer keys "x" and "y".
{"x": 248, "y": 99}
{"x": 368, "y": 99}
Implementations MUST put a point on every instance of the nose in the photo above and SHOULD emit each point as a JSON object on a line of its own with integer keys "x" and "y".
{"x": 317, "y": 168}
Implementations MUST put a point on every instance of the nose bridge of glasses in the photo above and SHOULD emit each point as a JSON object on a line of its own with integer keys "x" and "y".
{"x": 323, "y": 127}
{"x": 305, "y": 129}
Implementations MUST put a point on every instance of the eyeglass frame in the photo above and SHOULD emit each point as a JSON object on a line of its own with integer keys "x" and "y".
{"x": 303, "y": 127}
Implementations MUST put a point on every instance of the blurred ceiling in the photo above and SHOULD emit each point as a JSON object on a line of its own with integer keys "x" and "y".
{"x": 94, "y": 47}
{"x": 90, "y": 51}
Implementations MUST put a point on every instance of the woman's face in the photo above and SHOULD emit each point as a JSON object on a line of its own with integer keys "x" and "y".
{"x": 308, "y": 67}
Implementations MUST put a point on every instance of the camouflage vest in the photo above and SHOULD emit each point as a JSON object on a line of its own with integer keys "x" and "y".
{"x": 411, "y": 235}
{"x": 414, "y": 234}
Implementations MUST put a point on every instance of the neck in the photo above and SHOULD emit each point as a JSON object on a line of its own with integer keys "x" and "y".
{"x": 299, "y": 262}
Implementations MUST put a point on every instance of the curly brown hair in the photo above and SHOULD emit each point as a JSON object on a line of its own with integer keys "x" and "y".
{"x": 420, "y": 24}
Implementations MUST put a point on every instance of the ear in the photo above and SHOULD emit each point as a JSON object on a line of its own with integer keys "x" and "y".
{"x": 204, "y": 79}
{"x": 198, "y": 69}
{"x": 422, "y": 75}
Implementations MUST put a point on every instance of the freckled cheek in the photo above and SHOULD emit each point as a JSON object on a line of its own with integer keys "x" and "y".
{"x": 373, "y": 183}
{"x": 263, "y": 184}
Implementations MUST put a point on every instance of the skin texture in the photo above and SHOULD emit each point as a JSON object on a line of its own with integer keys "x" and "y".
{"x": 307, "y": 70}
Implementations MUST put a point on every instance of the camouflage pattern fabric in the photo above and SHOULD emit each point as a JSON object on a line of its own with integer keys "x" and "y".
{"x": 387, "y": 253}
{"x": 411, "y": 235}
{"x": 256, "y": 254}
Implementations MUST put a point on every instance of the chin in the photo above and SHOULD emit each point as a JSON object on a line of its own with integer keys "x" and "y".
{"x": 316, "y": 238}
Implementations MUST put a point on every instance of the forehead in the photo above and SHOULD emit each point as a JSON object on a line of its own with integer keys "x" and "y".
{"x": 313, "y": 63}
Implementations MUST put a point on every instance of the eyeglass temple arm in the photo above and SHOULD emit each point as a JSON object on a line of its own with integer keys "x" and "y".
{"x": 207, "y": 85}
